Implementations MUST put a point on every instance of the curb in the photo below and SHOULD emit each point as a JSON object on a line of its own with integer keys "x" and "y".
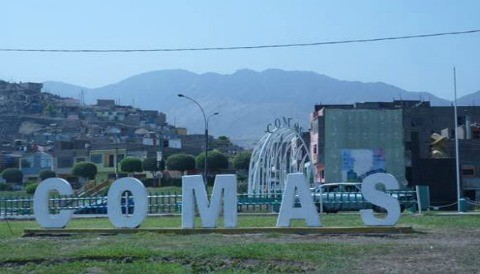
{"x": 374, "y": 230}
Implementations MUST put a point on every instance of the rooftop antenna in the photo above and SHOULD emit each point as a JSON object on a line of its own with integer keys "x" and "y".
{"x": 82, "y": 98}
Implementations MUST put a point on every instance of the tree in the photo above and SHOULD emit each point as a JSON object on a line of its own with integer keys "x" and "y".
{"x": 223, "y": 144}
{"x": 47, "y": 173}
{"x": 216, "y": 160}
{"x": 131, "y": 165}
{"x": 152, "y": 165}
{"x": 85, "y": 170}
{"x": 242, "y": 160}
{"x": 12, "y": 175}
{"x": 181, "y": 162}
{"x": 224, "y": 138}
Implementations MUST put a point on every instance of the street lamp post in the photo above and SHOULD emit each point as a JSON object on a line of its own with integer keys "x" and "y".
{"x": 116, "y": 156}
{"x": 116, "y": 159}
{"x": 206, "y": 143}
{"x": 205, "y": 120}
{"x": 160, "y": 156}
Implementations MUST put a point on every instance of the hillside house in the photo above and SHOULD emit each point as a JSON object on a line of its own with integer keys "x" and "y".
{"x": 31, "y": 164}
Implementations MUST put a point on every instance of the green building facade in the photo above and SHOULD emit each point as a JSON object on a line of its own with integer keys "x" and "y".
{"x": 359, "y": 142}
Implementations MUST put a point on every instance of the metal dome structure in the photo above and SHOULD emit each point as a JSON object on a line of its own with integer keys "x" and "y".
{"x": 279, "y": 152}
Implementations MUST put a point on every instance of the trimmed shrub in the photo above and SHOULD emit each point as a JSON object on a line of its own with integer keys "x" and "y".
{"x": 131, "y": 165}
{"x": 47, "y": 173}
{"x": 30, "y": 188}
{"x": 85, "y": 170}
{"x": 12, "y": 175}
{"x": 180, "y": 162}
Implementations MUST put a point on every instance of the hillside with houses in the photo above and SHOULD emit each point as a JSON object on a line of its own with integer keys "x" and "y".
{"x": 45, "y": 131}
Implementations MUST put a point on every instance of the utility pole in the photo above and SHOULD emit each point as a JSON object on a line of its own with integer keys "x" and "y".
{"x": 457, "y": 159}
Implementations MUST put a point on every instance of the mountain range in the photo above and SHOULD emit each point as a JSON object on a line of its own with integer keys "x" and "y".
{"x": 246, "y": 100}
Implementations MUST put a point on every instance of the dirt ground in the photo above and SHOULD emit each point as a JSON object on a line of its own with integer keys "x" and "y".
{"x": 426, "y": 251}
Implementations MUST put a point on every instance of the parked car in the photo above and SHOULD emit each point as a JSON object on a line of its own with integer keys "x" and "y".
{"x": 348, "y": 197}
{"x": 339, "y": 197}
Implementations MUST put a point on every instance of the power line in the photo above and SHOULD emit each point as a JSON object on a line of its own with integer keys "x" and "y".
{"x": 243, "y": 47}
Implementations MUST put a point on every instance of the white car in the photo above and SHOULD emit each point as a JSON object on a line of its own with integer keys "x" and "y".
{"x": 347, "y": 196}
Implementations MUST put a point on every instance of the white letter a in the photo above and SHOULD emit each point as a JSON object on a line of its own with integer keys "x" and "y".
{"x": 307, "y": 210}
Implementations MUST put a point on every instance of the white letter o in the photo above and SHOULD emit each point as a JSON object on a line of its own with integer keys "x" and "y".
{"x": 139, "y": 194}
{"x": 40, "y": 203}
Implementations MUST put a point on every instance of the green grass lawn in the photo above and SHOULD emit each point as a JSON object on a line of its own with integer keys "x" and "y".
{"x": 171, "y": 189}
{"x": 443, "y": 244}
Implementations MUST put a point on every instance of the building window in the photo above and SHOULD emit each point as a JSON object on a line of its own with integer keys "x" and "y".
{"x": 468, "y": 171}
{"x": 96, "y": 158}
{"x": 65, "y": 162}
{"x": 460, "y": 120}
{"x": 314, "y": 149}
{"x": 27, "y": 162}
{"x": 475, "y": 133}
{"x": 111, "y": 160}
{"x": 45, "y": 162}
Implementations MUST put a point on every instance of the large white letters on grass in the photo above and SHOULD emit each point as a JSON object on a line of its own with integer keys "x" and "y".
{"x": 40, "y": 203}
{"x": 139, "y": 201}
{"x": 193, "y": 192}
{"x": 288, "y": 211}
{"x": 380, "y": 199}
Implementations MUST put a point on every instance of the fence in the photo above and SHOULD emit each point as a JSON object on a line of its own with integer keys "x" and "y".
{"x": 259, "y": 203}
{"x": 171, "y": 202}
{"x": 16, "y": 206}
{"x": 163, "y": 202}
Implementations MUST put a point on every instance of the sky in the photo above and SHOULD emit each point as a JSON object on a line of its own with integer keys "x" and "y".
{"x": 413, "y": 64}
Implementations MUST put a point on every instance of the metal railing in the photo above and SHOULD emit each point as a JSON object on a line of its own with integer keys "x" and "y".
{"x": 16, "y": 206}
{"x": 259, "y": 202}
{"x": 171, "y": 202}
{"x": 353, "y": 201}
